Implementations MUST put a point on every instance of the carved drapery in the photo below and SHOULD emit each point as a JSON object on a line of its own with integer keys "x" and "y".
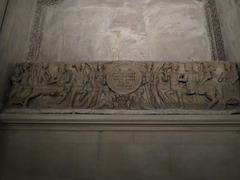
{"x": 126, "y": 85}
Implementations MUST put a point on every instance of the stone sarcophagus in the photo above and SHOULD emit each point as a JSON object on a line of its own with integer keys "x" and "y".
{"x": 126, "y": 86}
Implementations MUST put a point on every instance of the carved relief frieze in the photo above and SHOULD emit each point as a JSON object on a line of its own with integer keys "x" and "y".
{"x": 126, "y": 85}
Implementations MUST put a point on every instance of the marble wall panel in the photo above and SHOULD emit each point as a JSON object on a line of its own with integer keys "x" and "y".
{"x": 126, "y": 30}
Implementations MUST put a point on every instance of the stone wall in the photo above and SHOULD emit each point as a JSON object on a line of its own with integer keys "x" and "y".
{"x": 15, "y": 35}
{"x": 123, "y": 154}
{"x": 125, "y": 30}
{"x": 13, "y": 40}
{"x": 74, "y": 155}
{"x": 229, "y": 12}
{"x": 3, "y": 5}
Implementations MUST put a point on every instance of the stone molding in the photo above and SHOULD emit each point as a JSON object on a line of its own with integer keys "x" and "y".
{"x": 72, "y": 122}
{"x": 214, "y": 29}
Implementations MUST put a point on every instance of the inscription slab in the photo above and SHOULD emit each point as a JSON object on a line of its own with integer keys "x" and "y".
{"x": 124, "y": 78}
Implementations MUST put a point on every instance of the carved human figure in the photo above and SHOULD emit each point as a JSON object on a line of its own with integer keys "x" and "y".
{"x": 88, "y": 74}
{"x": 100, "y": 82}
{"x": 162, "y": 86}
{"x": 96, "y": 88}
{"x": 150, "y": 82}
{"x": 197, "y": 83}
{"x": 191, "y": 77}
{"x": 26, "y": 75}
{"x": 25, "y": 82}
{"x": 60, "y": 86}
{"x": 205, "y": 72}
{"x": 106, "y": 100}
{"x": 175, "y": 78}
{"x": 44, "y": 76}
{"x": 230, "y": 85}
{"x": 137, "y": 100}
{"x": 122, "y": 101}
{"x": 35, "y": 69}
{"x": 78, "y": 85}
{"x": 64, "y": 81}
{"x": 16, "y": 88}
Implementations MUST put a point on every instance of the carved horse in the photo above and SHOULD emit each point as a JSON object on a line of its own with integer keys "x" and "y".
{"x": 208, "y": 91}
{"x": 45, "y": 91}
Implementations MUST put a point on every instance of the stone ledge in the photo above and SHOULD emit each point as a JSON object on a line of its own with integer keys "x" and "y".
{"x": 121, "y": 111}
{"x": 120, "y": 122}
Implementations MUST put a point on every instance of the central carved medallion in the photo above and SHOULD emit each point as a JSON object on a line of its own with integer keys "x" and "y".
{"x": 124, "y": 78}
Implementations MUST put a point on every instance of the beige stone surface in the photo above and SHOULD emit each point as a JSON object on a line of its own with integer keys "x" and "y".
{"x": 13, "y": 40}
{"x": 126, "y": 30}
{"x": 32, "y": 155}
{"x": 132, "y": 31}
{"x": 229, "y": 13}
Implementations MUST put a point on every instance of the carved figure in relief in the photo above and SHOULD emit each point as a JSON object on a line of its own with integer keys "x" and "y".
{"x": 230, "y": 85}
{"x": 25, "y": 78}
{"x": 163, "y": 85}
{"x": 175, "y": 79}
{"x": 88, "y": 74}
{"x": 106, "y": 100}
{"x": 205, "y": 72}
{"x": 99, "y": 83}
{"x": 150, "y": 82}
{"x": 197, "y": 85}
{"x": 96, "y": 88}
{"x": 192, "y": 78}
{"x": 64, "y": 81}
{"x": 34, "y": 70}
{"x": 59, "y": 86}
{"x": 122, "y": 102}
{"x": 137, "y": 100}
{"x": 25, "y": 83}
{"x": 79, "y": 81}
{"x": 44, "y": 76}
{"x": 16, "y": 88}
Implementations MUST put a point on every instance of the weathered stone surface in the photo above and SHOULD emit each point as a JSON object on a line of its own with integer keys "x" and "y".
{"x": 124, "y": 78}
{"x": 125, "y": 30}
{"x": 229, "y": 13}
{"x": 3, "y": 5}
{"x": 130, "y": 86}
{"x": 14, "y": 39}
{"x": 153, "y": 155}
{"x": 87, "y": 44}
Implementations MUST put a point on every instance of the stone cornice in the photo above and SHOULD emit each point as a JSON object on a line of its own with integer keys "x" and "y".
{"x": 120, "y": 122}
